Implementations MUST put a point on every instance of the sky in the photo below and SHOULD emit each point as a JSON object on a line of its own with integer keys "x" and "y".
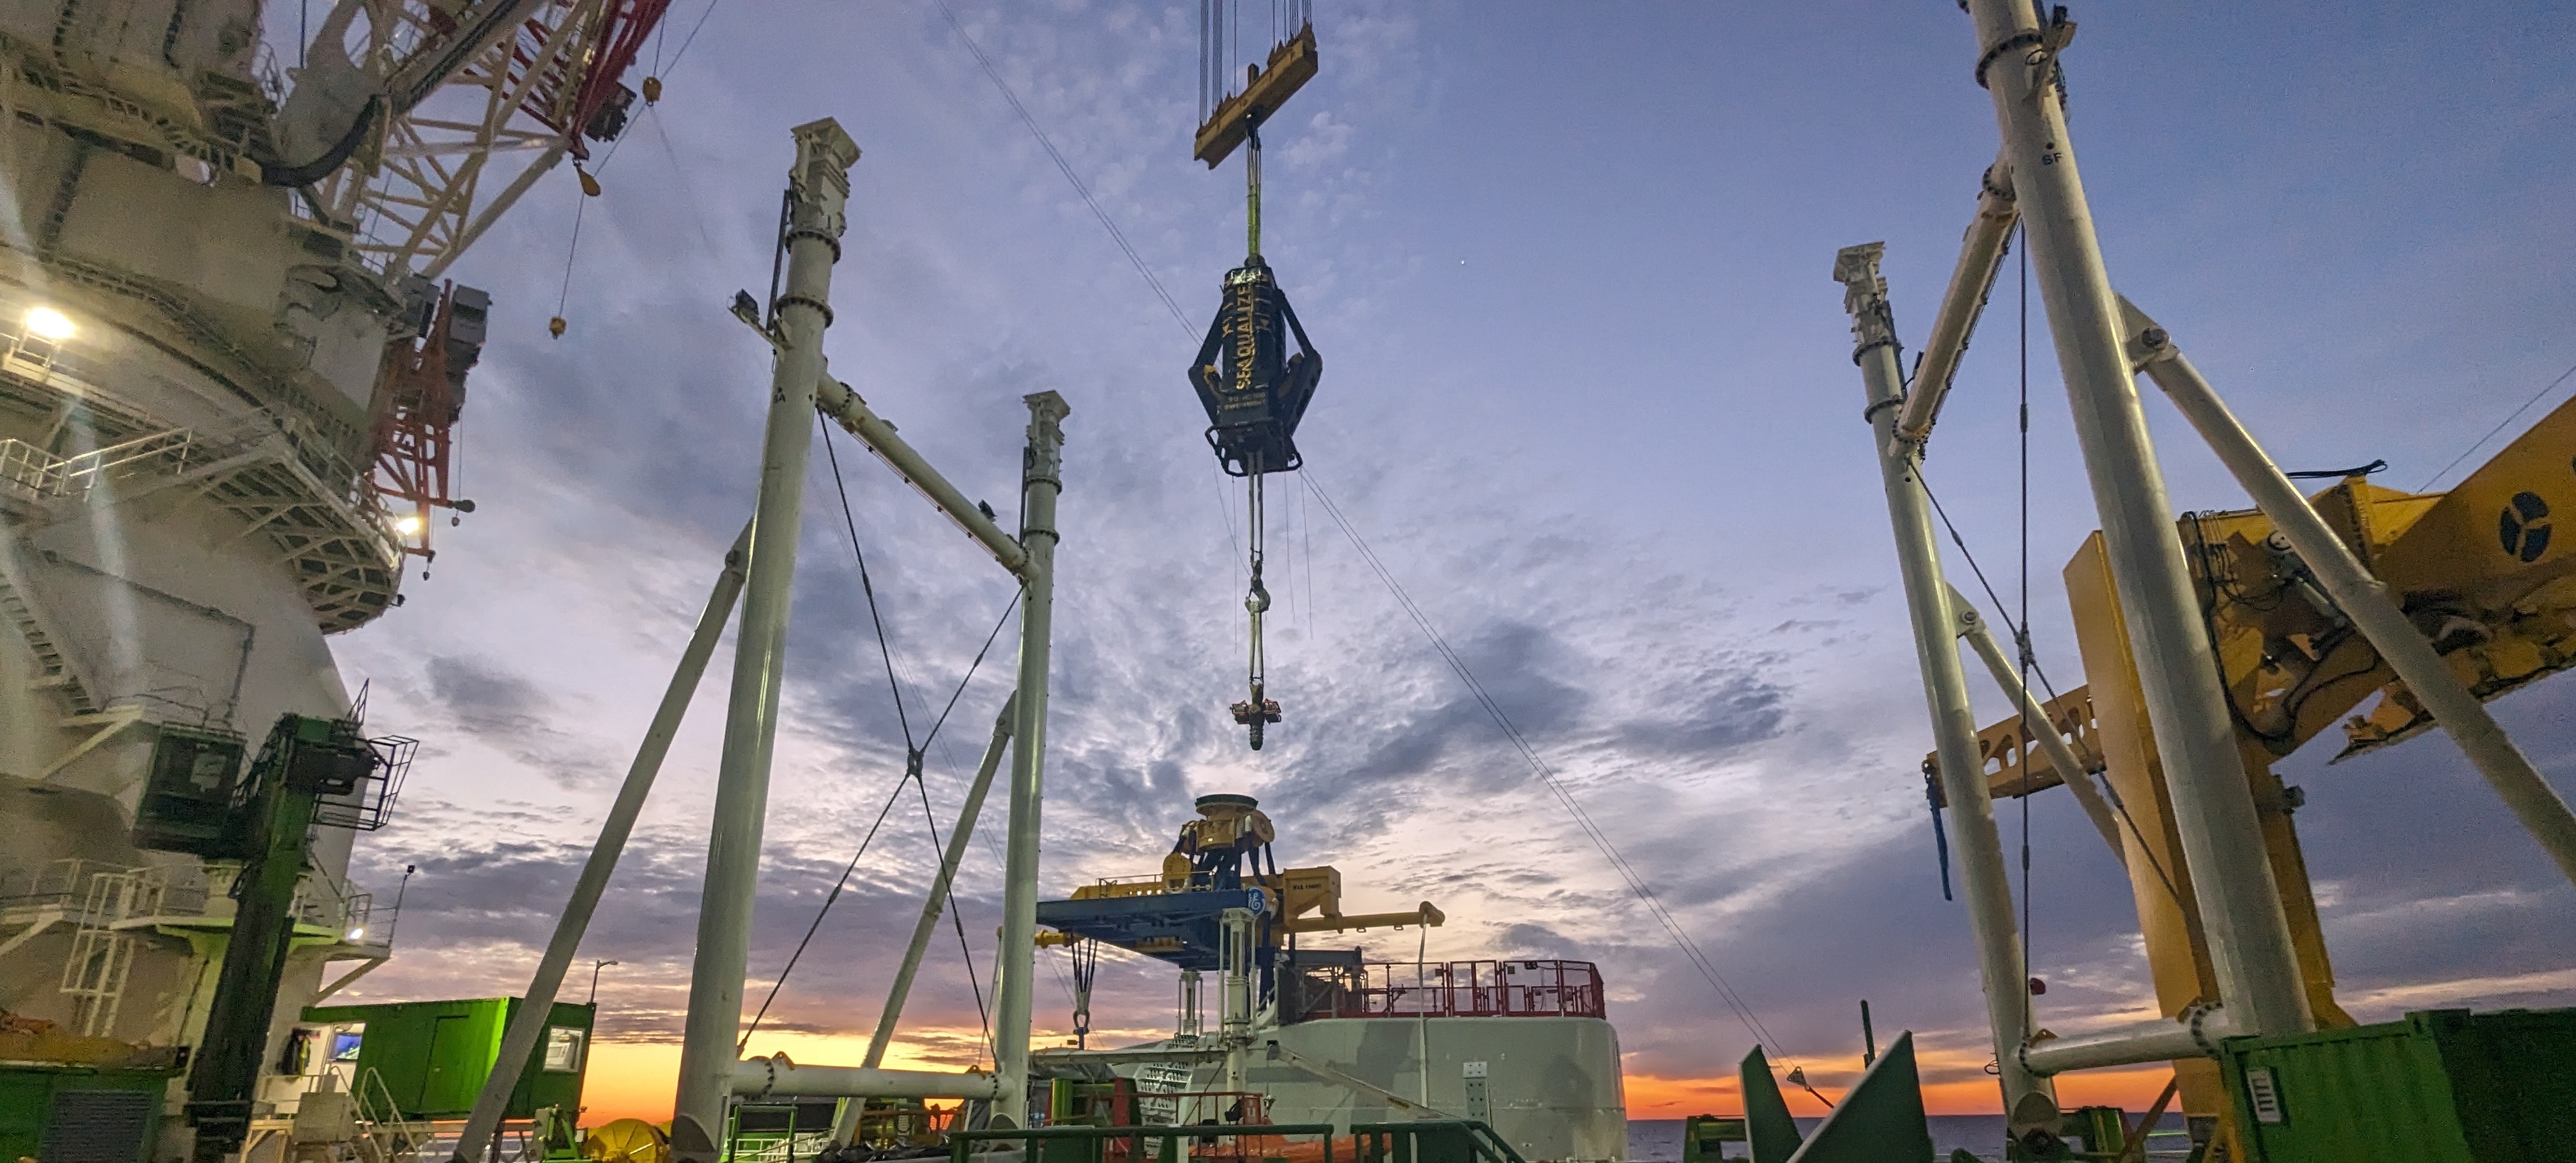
{"x": 1588, "y": 397}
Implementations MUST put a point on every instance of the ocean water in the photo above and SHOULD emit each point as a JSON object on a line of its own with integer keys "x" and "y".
{"x": 1660, "y": 1140}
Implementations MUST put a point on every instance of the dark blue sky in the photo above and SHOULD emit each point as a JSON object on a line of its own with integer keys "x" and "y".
{"x": 1589, "y": 397}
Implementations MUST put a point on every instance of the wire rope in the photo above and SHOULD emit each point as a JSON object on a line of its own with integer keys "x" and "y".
{"x": 2023, "y": 657}
{"x": 868, "y": 587}
{"x": 947, "y": 886}
{"x": 912, "y": 751}
{"x": 819, "y": 914}
{"x": 2500, "y": 426}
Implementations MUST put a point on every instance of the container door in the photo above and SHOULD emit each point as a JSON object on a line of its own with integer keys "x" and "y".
{"x": 448, "y": 1067}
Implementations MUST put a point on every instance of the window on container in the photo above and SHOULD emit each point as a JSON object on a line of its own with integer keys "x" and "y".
{"x": 563, "y": 1049}
{"x": 345, "y": 1042}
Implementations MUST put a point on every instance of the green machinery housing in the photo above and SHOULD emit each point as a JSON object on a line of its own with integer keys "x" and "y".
{"x": 433, "y": 1056}
{"x": 53, "y": 1112}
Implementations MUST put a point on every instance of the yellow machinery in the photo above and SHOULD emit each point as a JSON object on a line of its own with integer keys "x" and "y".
{"x": 2475, "y": 568}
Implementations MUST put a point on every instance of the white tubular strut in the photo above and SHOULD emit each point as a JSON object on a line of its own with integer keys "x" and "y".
{"x": 2222, "y": 839}
{"x": 1981, "y": 257}
{"x": 818, "y": 188}
{"x": 2362, "y": 598}
{"x": 1984, "y": 876}
{"x": 2070, "y": 767}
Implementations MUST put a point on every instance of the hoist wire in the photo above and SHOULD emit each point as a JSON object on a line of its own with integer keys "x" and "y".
{"x": 690, "y": 39}
{"x": 1048, "y": 144}
{"x": 1636, "y": 883}
{"x": 1225, "y": 512}
{"x": 572, "y": 249}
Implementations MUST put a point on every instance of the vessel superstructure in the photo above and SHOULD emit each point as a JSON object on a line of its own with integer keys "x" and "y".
{"x": 231, "y": 370}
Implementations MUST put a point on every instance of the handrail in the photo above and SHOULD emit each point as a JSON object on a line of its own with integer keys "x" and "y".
{"x": 1369, "y": 1142}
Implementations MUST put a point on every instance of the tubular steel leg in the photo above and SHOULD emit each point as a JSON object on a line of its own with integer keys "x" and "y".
{"x": 817, "y": 189}
{"x": 2070, "y": 766}
{"x": 2240, "y": 906}
{"x": 2028, "y": 1100}
{"x": 1016, "y": 960}
{"x": 520, "y": 1042}
{"x": 2362, "y": 598}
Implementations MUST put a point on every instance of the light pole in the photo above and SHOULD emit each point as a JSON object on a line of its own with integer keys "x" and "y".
{"x": 595, "y": 967}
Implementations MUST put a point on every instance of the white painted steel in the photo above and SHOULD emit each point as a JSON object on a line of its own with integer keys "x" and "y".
{"x": 818, "y": 187}
{"x": 1553, "y": 1088}
{"x": 519, "y": 1042}
{"x": 2222, "y": 839}
{"x": 1981, "y": 257}
{"x": 927, "y": 925}
{"x": 843, "y": 405}
{"x": 777, "y": 1077}
{"x": 1984, "y": 879}
{"x": 2362, "y": 598}
{"x": 1017, "y": 958}
{"x": 2070, "y": 767}
{"x": 2194, "y": 1034}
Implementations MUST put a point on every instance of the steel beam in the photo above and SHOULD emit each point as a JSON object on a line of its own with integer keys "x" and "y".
{"x": 818, "y": 188}
{"x": 2362, "y": 597}
{"x": 1016, "y": 960}
{"x": 2028, "y": 1101}
{"x": 2222, "y": 838}
{"x": 775, "y": 1076}
{"x": 1981, "y": 257}
{"x": 2035, "y": 725}
{"x": 852, "y": 413}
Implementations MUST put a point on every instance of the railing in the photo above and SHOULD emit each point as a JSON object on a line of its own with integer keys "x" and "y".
{"x": 1452, "y": 989}
{"x": 39, "y": 473}
{"x": 1426, "y": 1141}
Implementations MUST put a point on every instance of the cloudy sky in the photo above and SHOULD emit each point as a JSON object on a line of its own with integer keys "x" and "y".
{"x": 1588, "y": 398}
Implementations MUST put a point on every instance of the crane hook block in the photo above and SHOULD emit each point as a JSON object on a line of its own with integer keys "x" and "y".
{"x": 1255, "y": 390}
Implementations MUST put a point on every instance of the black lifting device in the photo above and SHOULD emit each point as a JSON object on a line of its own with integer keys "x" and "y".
{"x": 1254, "y": 388}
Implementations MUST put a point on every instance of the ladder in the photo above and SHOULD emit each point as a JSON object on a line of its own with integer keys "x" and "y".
{"x": 102, "y": 956}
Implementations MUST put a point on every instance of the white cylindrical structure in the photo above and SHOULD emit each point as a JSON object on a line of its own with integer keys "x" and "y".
{"x": 2222, "y": 839}
{"x": 2194, "y": 1034}
{"x": 1040, "y": 481}
{"x": 843, "y": 405}
{"x": 2361, "y": 597}
{"x": 1981, "y": 255}
{"x": 778, "y": 1077}
{"x": 2070, "y": 766}
{"x": 1983, "y": 875}
{"x": 817, "y": 189}
{"x": 529, "y": 1024}
{"x": 927, "y": 925}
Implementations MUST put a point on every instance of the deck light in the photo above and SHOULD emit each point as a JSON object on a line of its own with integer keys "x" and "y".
{"x": 408, "y": 525}
{"x": 357, "y": 933}
{"x": 50, "y": 324}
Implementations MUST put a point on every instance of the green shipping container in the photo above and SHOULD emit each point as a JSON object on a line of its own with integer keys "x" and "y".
{"x": 79, "y": 1114}
{"x": 435, "y": 1055}
{"x": 2442, "y": 1086}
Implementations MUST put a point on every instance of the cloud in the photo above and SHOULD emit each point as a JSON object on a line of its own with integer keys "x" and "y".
{"x": 1614, "y": 463}
{"x": 514, "y": 716}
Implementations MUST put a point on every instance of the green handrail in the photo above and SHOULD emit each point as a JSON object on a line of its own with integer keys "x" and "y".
{"x": 1471, "y": 1140}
